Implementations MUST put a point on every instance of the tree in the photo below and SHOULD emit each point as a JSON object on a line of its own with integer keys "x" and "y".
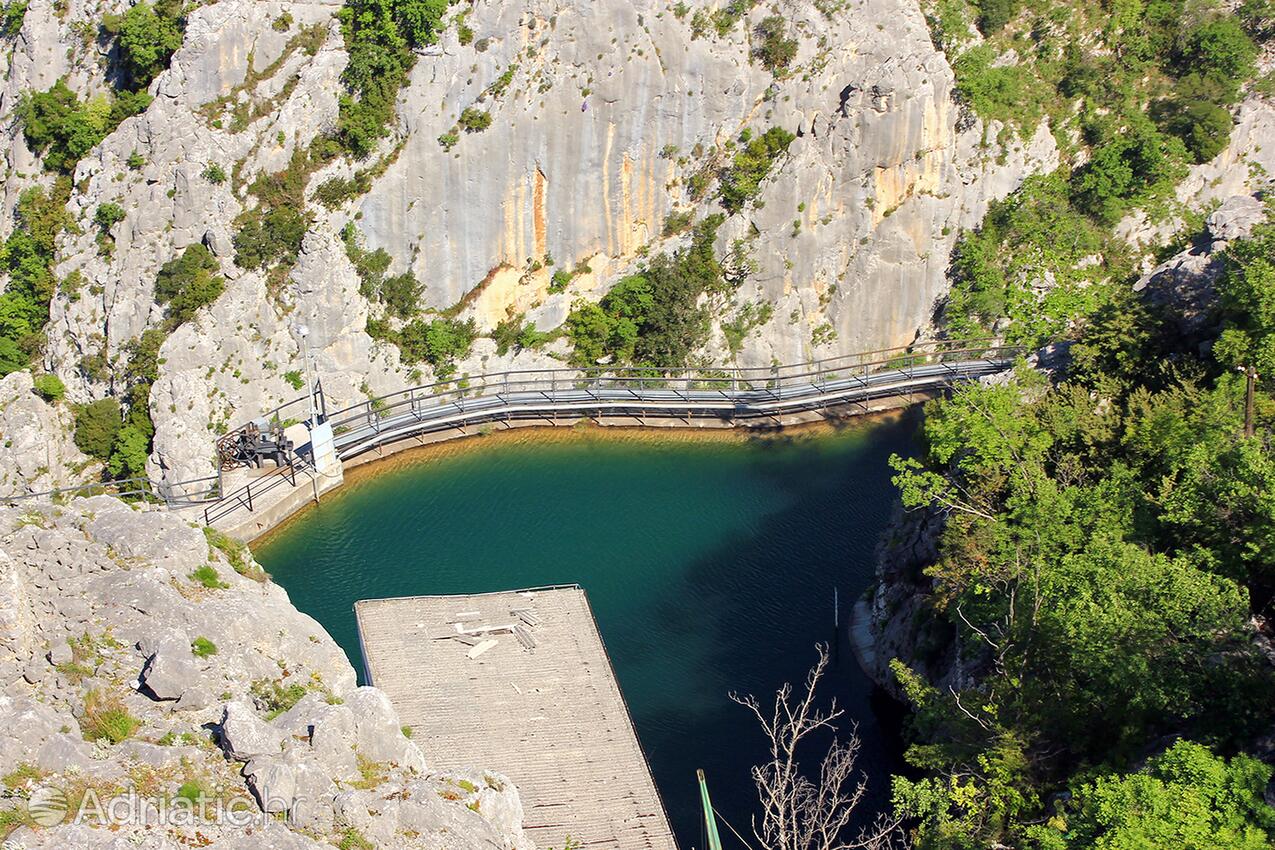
{"x": 776, "y": 50}
{"x": 188, "y": 282}
{"x": 1220, "y": 47}
{"x": 96, "y": 425}
{"x": 49, "y": 387}
{"x": 148, "y": 36}
{"x": 129, "y": 453}
{"x": 742, "y": 180}
{"x": 798, "y": 813}
{"x": 1186, "y": 797}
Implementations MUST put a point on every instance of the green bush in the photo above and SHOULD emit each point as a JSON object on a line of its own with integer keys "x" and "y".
{"x": 49, "y": 387}
{"x": 108, "y": 215}
{"x": 1135, "y": 165}
{"x": 214, "y": 173}
{"x": 448, "y": 140}
{"x": 130, "y": 450}
{"x": 474, "y": 120}
{"x": 440, "y": 342}
{"x": 147, "y": 37}
{"x": 742, "y": 180}
{"x": 266, "y": 237}
{"x": 12, "y": 15}
{"x": 202, "y": 647}
{"x": 379, "y": 35}
{"x": 654, "y": 317}
{"x": 994, "y": 14}
{"x": 188, "y": 282}
{"x": 1220, "y": 48}
{"x": 28, "y": 256}
{"x": 775, "y": 49}
{"x": 274, "y": 698}
{"x": 207, "y": 576}
{"x": 60, "y": 128}
{"x": 96, "y": 425}
{"x": 294, "y": 379}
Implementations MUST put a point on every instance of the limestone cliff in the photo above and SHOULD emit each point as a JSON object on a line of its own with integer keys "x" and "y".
{"x": 138, "y": 653}
{"x": 603, "y": 112}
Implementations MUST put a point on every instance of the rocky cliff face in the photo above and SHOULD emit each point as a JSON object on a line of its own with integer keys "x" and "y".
{"x": 602, "y": 113}
{"x": 135, "y": 652}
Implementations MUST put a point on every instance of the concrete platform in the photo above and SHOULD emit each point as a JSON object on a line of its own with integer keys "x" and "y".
{"x": 551, "y": 718}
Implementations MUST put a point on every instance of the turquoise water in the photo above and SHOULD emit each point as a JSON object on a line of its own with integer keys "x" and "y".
{"x": 710, "y": 566}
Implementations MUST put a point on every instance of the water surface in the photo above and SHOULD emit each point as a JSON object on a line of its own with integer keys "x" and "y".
{"x": 710, "y": 564}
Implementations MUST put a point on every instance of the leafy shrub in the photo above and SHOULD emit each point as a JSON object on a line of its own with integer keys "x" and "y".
{"x": 49, "y": 387}
{"x": 775, "y": 50}
{"x": 266, "y": 237}
{"x": 107, "y": 718}
{"x": 294, "y": 379}
{"x": 379, "y": 35}
{"x": 60, "y": 128}
{"x": 559, "y": 282}
{"x": 474, "y": 120}
{"x": 130, "y": 450}
{"x": 283, "y": 23}
{"x": 653, "y": 317}
{"x": 135, "y": 161}
{"x": 188, "y": 282}
{"x": 1220, "y": 48}
{"x": 202, "y": 647}
{"x": 207, "y": 576}
{"x": 28, "y": 256}
{"x": 214, "y": 173}
{"x": 742, "y": 180}
{"x": 994, "y": 14}
{"x": 448, "y": 140}
{"x": 96, "y": 425}
{"x": 440, "y": 342}
{"x": 108, "y": 215}
{"x": 147, "y": 37}
{"x": 12, "y": 15}
{"x": 1133, "y": 166}
{"x": 274, "y": 698}
{"x": 465, "y": 33}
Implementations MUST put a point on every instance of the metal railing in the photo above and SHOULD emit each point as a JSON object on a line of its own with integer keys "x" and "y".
{"x": 522, "y": 394}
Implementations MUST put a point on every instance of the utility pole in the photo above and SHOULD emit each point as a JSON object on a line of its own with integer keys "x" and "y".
{"x": 303, "y": 331}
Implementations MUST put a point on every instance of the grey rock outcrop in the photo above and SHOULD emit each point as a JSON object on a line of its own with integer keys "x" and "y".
{"x": 1184, "y": 286}
{"x": 36, "y": 449}
{"x": 100, "y": 685}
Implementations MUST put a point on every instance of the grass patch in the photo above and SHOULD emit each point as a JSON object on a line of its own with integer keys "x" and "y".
{"x": 106, "y": 718}
{"x": 208, "y": 577}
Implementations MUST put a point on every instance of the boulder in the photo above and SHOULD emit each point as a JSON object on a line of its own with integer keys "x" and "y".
{"x": 245, "y": 736}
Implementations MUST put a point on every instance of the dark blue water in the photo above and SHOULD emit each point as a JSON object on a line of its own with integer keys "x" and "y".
{"x": 710, "y": 565}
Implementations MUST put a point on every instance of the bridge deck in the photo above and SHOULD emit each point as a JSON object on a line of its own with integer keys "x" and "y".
{"x": 551, "y": 718}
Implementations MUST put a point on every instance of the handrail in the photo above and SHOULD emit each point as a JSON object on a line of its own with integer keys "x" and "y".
{"x": 534, "y": 393}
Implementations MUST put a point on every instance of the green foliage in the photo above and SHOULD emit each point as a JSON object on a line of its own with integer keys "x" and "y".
{"x": 439, "y": 342}
{"x": 294, "y": 379}
{"x": 1220, "y": 48}
{"x": 448, "y": 140}
{"x": 1247, "y": 290}
{"x": 654, "y": 317}
{"x": 207, "y": 576}
{"x": 106, "y": 718}
{"x": 474, "y": 120}
{"x": 202, "y": 647}
{"x": 60, "y": 128}
{"x": 147, "y": 37}
{"x": 1106, "y": 543}
{"x": 352, "y": 839}
{"x": 775, "y": 50}
{"x": 96, "y": 425}
{"x": 236, "y": 553}
{"x": 108, "y": 215}
{"x": 400, "y": 294}
{"x": 1186, "y": 797}
{"x": 49, "y": 387}
{"x": 28, "y": 256}
{"x": 136, "y": 160}
{"x": 214, "y": 173}
{"x": 380, "y": 35}
{"x": 994, "y": 14}
{"x": 12, "y": 15}
{"x": 130, "y": 450}
{"x": 269, "y": 236}
{"x": 274, "y": 697}
{"x": 1033, "y": 235}
{"x": 742, "y": 180}
{"x": 188, "y": 282}
{"x": 1136, "y": 165}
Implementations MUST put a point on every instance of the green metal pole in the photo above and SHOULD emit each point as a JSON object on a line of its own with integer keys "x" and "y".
{"x": 710, "y": 820}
